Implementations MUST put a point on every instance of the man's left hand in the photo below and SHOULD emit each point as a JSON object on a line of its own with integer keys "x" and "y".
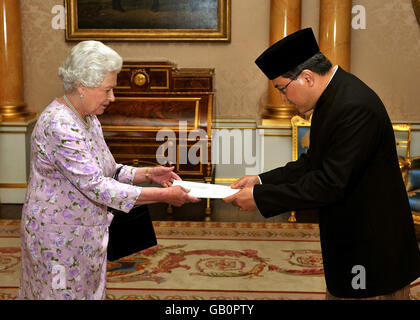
{"x": 243, "y": 199}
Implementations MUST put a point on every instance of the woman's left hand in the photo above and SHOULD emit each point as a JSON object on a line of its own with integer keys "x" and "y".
{"x": 163, "y": 176}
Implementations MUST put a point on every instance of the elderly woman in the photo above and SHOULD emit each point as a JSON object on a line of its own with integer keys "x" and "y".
{"x": 65, "y": 219}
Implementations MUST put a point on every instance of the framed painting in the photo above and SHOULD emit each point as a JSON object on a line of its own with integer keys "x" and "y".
{"x": 416, "y": 7}
{"x": 148, "y": 20}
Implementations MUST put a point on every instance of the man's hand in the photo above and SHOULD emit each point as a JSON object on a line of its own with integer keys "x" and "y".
{"x": 245, "y": 181}
{"x": 243, "y": 199}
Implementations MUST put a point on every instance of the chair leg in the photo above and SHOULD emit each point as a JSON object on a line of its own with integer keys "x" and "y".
{"x": 292, "y": 217}
{"x": 208, "y": 211}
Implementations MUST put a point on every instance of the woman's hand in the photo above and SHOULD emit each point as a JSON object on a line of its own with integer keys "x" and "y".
{"x": 177, "y": 196}
{"x": 163, "y": 176}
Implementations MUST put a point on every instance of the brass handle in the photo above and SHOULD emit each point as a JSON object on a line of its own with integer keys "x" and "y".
{"x": 136, "y": 162}
{"x": 140, "y": 79}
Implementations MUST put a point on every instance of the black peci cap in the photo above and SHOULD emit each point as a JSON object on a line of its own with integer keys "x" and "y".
{"x": 288, "y": 53}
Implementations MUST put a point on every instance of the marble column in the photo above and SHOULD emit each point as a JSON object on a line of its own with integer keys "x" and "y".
{"x": 12, "y": 106}
{"x": 335, "y": 31}
{"x": 285, "y": 18}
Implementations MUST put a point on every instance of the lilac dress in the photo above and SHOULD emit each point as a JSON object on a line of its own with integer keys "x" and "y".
{"x": 65, "y": 220}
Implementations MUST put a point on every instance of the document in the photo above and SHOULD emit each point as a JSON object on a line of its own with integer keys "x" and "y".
{"x": 206, "y": 190}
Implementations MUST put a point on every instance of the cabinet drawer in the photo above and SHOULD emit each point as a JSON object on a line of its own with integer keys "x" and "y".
{"x": 192, "y": 84}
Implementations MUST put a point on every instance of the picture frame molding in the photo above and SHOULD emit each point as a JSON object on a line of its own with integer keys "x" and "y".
{"x": 221, "y": 34}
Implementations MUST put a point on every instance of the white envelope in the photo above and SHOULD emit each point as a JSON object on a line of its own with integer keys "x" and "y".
{"x": 206, "y": 190}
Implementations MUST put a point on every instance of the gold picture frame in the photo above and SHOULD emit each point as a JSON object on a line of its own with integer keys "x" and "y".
{"x": 141, "y": 20}
{"x": 416, "y": 7}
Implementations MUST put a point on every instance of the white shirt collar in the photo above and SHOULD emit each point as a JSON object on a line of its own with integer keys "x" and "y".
{"x": 335, "y": 70}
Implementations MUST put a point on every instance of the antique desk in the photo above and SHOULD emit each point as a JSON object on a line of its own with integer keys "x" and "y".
{"x": 159, "y": 115}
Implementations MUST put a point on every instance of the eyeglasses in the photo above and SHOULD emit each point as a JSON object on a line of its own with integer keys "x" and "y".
{"x": 283, "y": 89}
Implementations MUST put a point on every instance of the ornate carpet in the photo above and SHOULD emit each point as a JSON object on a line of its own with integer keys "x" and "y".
{"x": 205, "y": 260}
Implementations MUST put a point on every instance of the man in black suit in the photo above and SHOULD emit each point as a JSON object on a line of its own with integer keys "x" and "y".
{"x": 350, "y": 174}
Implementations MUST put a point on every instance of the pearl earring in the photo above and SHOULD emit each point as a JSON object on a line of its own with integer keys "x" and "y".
{"x": 82, "y": 96}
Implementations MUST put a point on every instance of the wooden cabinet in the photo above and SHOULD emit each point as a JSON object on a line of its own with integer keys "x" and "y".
{"x": 162, "y": 114}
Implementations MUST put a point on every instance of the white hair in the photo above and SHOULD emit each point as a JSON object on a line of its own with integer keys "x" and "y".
{"x": 88, "y": 63}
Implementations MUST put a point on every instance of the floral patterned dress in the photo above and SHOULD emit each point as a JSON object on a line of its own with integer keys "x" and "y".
{"x": 65, "y": 220}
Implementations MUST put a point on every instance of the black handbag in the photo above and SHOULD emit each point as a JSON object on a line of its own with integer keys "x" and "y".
{"x": 130, "y": 232}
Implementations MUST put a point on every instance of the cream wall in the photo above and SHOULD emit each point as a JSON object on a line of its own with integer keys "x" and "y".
{"x": 385, "y": 55}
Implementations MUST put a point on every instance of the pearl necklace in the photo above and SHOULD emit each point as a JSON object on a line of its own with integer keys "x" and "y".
{"x": 70, "y": 105}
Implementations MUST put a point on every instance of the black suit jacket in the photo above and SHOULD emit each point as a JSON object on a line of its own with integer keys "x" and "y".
{"x": 351, "y": 175}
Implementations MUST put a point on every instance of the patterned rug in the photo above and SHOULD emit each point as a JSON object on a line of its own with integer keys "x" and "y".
{"x": 205, "y": 260}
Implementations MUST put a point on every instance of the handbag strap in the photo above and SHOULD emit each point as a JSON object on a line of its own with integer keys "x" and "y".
{"x": 117, "y": 172}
